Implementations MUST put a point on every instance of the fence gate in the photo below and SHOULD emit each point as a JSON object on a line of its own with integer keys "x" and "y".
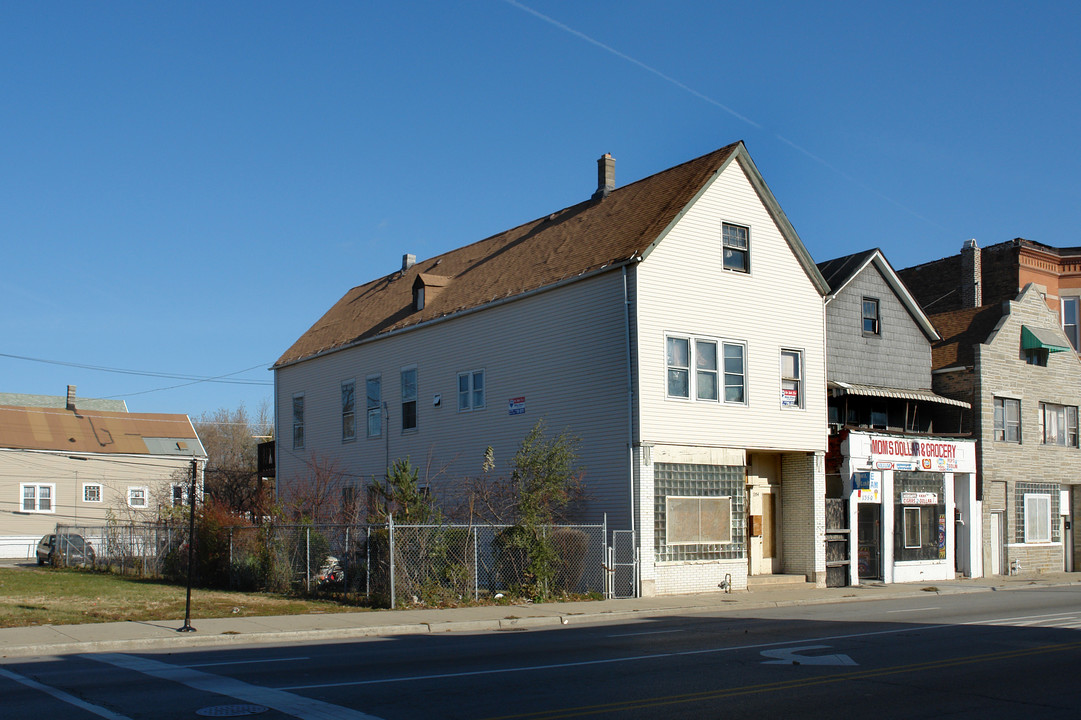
{"x": 623, "y": 564}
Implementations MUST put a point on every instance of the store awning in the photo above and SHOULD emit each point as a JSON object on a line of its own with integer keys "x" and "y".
{"x": 1036, "y": 338}
{"x": 843, "y": 388}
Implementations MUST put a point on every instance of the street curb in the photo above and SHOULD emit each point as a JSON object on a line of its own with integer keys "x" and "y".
{"x": 510, "y": 623}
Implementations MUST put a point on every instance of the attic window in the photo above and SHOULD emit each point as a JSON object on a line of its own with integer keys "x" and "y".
{"x": 427, "y": 287}
{"x": 736, "y": 247}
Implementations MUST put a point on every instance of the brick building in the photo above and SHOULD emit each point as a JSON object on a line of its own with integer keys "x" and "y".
{"x": 995, "y": 274}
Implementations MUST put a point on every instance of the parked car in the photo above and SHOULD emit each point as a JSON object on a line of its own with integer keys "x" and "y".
{"x": 73, "y": 550}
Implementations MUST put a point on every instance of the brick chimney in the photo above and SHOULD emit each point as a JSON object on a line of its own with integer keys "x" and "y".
{"x": 606, "y": 176}
{"x": 71, "y": 398}
{"x": 971, "y": 275}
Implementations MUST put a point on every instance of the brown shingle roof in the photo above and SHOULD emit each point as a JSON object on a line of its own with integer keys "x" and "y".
{"x": 960, "y": 331}
{"x": 575, "y": 241}
{"x": 97, "y": 431}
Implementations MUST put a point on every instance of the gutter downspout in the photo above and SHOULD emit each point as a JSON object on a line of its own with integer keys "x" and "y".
{"x": 630, "y": 426}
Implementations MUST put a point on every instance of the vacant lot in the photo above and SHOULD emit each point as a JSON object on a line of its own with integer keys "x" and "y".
{"x": 49, "y": 596}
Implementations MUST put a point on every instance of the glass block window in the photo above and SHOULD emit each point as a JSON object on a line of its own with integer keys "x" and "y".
{"x": 1040, "y": 523}
{"x": 679, "y": 482}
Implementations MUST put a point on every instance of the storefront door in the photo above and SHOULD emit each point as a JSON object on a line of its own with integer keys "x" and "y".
{"x": 869, "y": 541}
{"x": 765, "y": 538}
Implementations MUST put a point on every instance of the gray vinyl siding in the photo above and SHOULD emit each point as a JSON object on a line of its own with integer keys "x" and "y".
{"x": 900, "y": 356}
{"x": 563, "y": 350}
{"x": 683, "y": 290}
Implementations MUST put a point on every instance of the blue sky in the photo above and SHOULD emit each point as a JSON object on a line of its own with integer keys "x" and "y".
{"x": 186, "y": 187}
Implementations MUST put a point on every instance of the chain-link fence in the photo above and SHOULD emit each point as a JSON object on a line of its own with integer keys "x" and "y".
{"x": 432, "y": 564}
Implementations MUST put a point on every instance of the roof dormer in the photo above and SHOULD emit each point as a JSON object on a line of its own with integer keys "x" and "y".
{"x": 427, "y": 287}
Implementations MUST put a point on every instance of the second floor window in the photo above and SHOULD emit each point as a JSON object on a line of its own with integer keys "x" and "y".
{"x": 704, "y": 382}
{"x": 870, "y": 316}
{"x": 92, "y": 493}
{"x": 409, "y": 399}
{"x": 1071, "y": 320}
{"x": 471, "y": 390}
{"x": 791, "y": 379}
{"x": 349, "y": 415}
{"x": 1008, "y": 420}
{"x": 374, "y": 393}
{"x": 1058, "y": 424}
{"x": 298, "y": 422}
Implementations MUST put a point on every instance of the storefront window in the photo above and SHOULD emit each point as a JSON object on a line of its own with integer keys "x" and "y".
{"x": 919, "y": 516}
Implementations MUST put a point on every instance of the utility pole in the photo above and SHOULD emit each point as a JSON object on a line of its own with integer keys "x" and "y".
{"x": 191, "y": 548}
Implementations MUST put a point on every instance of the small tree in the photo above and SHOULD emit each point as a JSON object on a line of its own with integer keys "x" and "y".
{"x": 546, "y": 482}
{"x": 402, "y": 496}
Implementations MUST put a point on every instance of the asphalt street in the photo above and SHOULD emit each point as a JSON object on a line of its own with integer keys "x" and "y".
{"x": 987, "y": 655}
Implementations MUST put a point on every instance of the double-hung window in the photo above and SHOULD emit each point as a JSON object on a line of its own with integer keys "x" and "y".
{"x": 735, "y": 373}
{"x": 679, "y": 367}
{"x": 1058, "y": 424}
{"x": 736, "y": 247}
{"x": 1071, "y": 320}
{"x": 349, "y": 407}
{"x": 409, "y": 398}
{"x": 1037, "y": 517}
{"x": 704, "y": 383}
{"x": 38, "y": 498}
{"x": 374, "y": 394}
{"x": 705, "y": 369}
{"x": 470, "y": 390}
{"x": 298, "y": 422}
{"x": 1007, "y": 420}
{"x": 137, "y": 497}
{"x": 791, "y": 379}
{"x": 870, "y": 316}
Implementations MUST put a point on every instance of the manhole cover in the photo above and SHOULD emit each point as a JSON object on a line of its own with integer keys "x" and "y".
{"x": 231, "y": 710}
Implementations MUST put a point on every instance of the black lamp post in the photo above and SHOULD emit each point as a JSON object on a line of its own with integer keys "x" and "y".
{"x": 191, "y": 549}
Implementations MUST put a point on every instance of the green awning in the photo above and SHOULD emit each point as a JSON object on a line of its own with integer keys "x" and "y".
{"x": 1034, "y": 338}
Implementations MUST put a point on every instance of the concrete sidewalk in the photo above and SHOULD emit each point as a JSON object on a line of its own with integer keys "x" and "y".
{"x": 157, "y": 635}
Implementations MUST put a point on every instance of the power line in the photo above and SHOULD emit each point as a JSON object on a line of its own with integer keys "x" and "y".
{"x": 149, "y": 373}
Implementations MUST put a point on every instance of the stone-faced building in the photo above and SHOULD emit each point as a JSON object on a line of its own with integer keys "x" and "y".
{"x": 1014, "y": 363}
{"x": 896, "y": 465}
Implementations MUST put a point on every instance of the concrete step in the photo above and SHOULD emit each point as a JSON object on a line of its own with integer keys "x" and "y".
{"x": 762, "y": 582}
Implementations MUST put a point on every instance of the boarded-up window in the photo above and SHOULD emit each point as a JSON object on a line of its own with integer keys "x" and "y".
{"x": 698, "y": 520}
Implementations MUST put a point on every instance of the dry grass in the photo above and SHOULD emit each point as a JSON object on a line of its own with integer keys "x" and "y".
{"x": 48, "y": 596}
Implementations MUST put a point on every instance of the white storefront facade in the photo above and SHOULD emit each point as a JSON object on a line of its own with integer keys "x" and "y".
{"x": 912, "y": 502}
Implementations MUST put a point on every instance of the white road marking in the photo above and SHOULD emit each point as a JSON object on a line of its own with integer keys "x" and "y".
{"x": 792, "y": 656}
{"x": 1048, "y": 620}
{"x": 888, "y": 612}
{"x": 243, "y": 662}
{"x": 299, "y": 707}
{"x": 610, "y": 661}
{"x": 62, "y": 696}
{"x": 651, "y": 632}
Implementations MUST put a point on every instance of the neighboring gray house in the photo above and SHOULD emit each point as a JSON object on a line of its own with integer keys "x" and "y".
{"x": 905, "y": 479}
{"x": 637, "y": 321}
{"x": 1015, "y": 364}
